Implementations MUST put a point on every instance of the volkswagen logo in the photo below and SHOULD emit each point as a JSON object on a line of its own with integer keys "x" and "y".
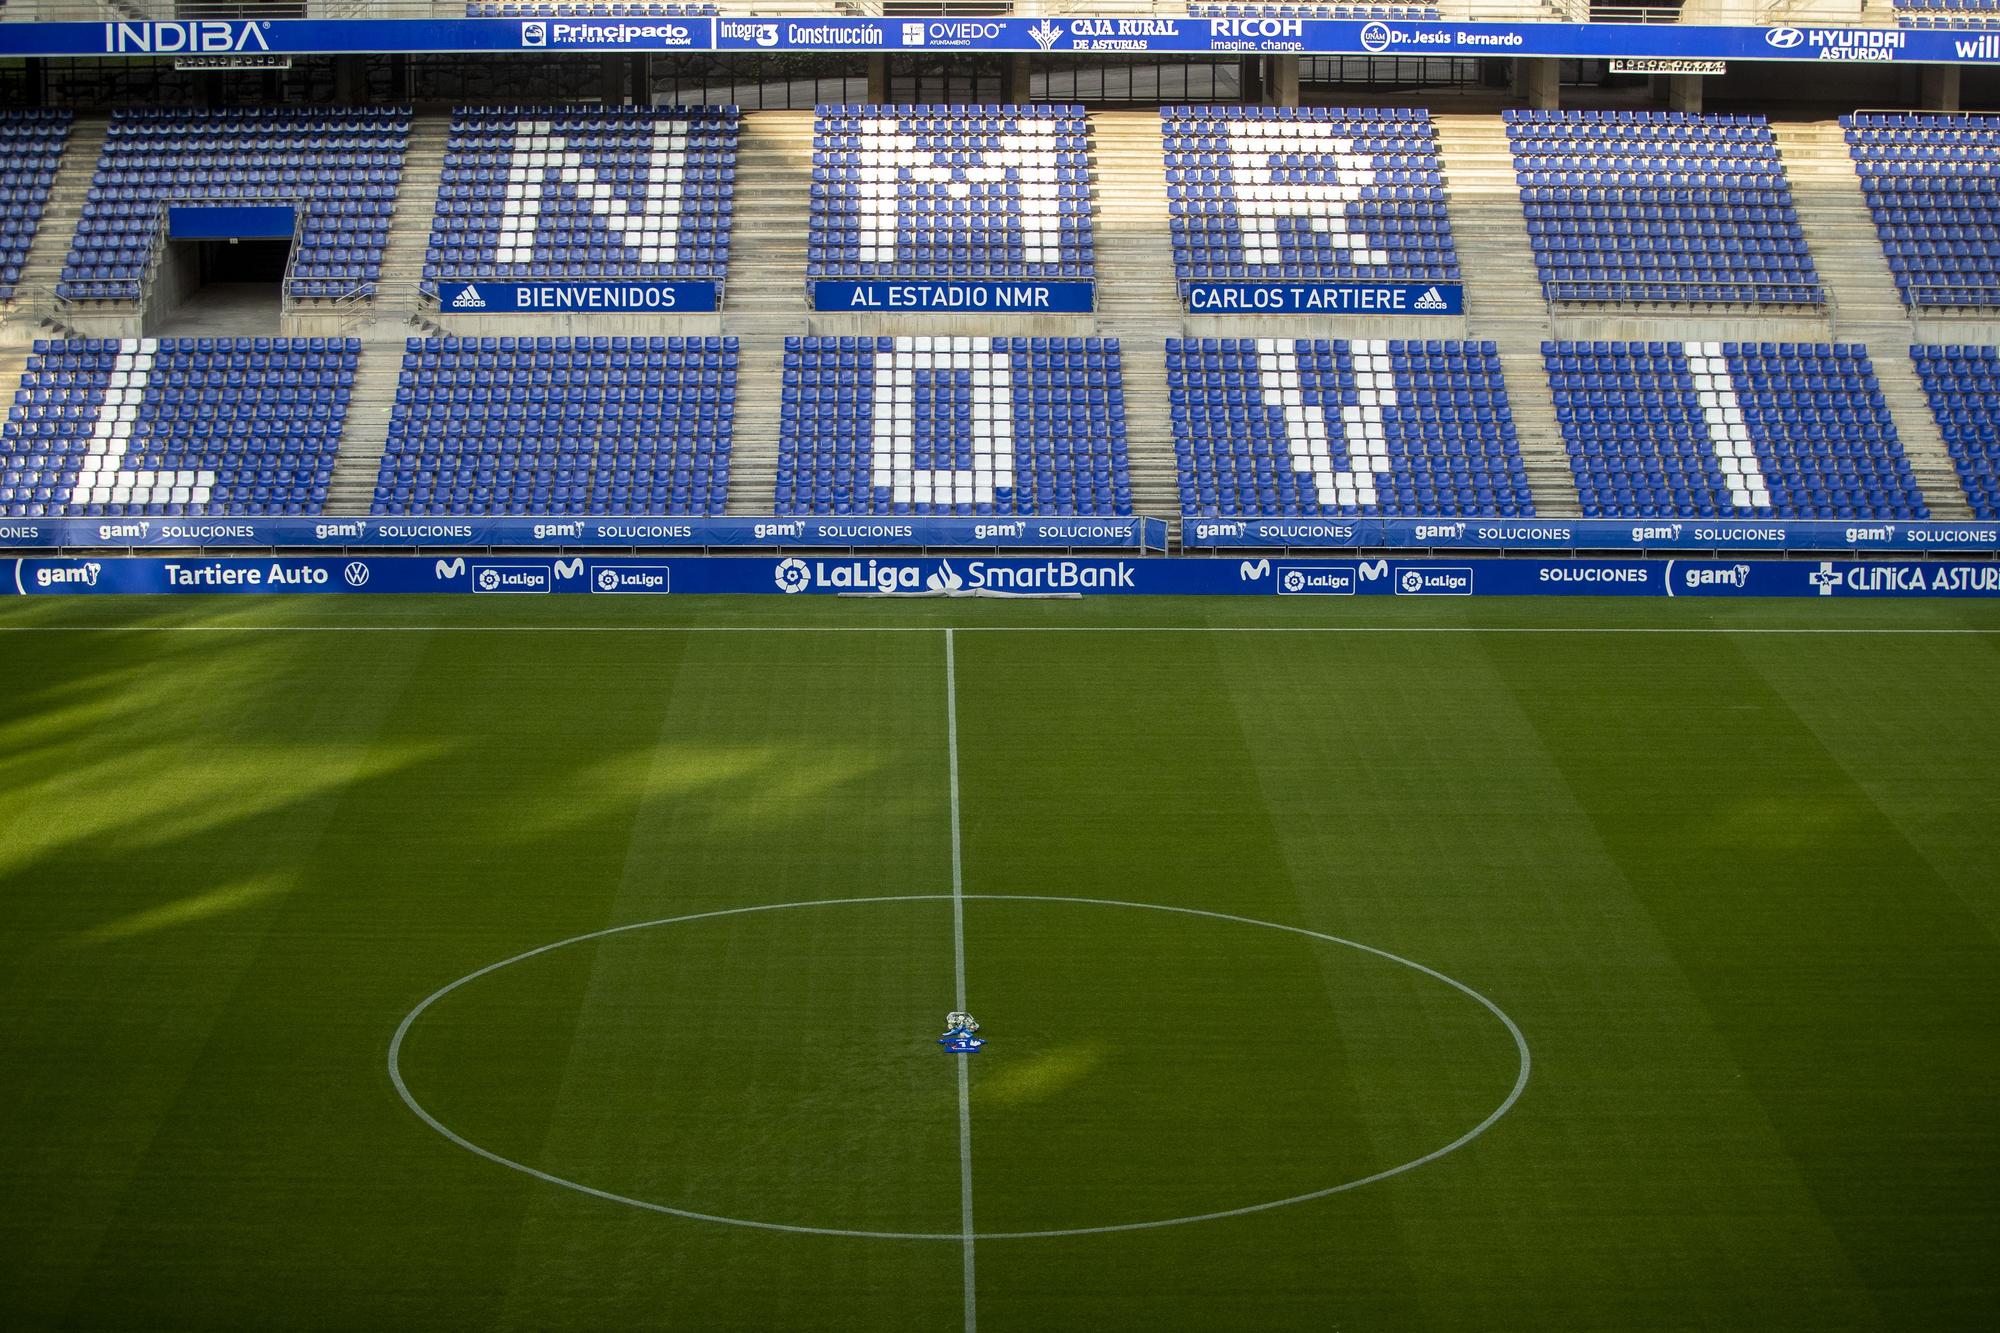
{"x": 1784, "y": 38}
{"x": 356, "y": 573}
{"x": 1376, "y": 37}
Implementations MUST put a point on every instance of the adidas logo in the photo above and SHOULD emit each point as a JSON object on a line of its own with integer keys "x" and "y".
{"x": 470, "y": 299}
{"x": 1432, "y": 299}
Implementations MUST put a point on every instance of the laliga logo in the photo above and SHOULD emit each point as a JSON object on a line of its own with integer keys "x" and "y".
{"x": 607, "y": 580}
{"x": 792, "y": 575}
{"x": 1413, "y": 581}
{"x": 1784, "y": 38}
{"x": 1294, "y": 580}
{"x": 489, "y": 579}
{"x": 355, "y": 573}
{"x": 1376, "y": 37}
{"x": 1046, "y": 34}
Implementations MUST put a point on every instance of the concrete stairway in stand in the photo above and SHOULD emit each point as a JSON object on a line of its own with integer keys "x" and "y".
{"x": 1138, "y": 302}
{"x": 351, "y": 490}
{"x": 31, "y": 314}
{"x": 1847, "y": 251}
{"x": 398, "y": 292}
{"x": 1503, "y": 297}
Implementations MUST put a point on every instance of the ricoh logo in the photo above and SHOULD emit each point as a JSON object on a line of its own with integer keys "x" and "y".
{"x": 768, "y": 531}
{"x": 113, "y": 532}
{"x": 557, "y": 531}
{"x": 328, "y": 532}
{"x": 69, "y": 575}
{"x": 205, "y": 36}
{"x": 1272, "y": 29}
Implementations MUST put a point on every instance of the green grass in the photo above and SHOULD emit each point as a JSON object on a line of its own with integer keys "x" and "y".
{"x": 1740, "y": 889}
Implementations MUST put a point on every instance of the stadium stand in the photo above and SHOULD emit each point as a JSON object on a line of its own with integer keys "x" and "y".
{"x": 1659, "y": 206}
{"x": 1963, "y": 384}
{"x": 176, "y": 426}
{"x": 602, "y": 9}
{"x": 1961, "y": 14}
{"x": 952, "y": 425}
{"x": 340, "y": 168}
{"x": 1383, "y": 13}
{"x": 947, "y": 191}
{"x": 560, "y": 426}
{"x": 1271, "y": 427}
{"x": 1739, "y": 430}
{"x": 1322, "y": 193}
{"x": 1933, "y": 187}
{"x": 31, "y": 144}
{"x": 607, "y": 192}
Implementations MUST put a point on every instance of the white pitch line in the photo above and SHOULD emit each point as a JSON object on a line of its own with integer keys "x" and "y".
{"x": 1910, "y": 631}
{"x": 964, "y": 1063}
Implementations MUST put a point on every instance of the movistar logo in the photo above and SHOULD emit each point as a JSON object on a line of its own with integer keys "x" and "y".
{"x": 207, "y": 35}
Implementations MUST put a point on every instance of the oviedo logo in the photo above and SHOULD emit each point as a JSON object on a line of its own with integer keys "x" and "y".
{"x": 792, "y": 575}
{"x": 1784, "y": 39}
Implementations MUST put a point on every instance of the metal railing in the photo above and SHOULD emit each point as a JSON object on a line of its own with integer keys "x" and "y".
{"x": 1803, "y": 295}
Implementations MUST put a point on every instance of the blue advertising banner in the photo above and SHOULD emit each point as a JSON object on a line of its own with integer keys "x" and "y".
{"x": 1325, "y": 298}
{"x": 1002, "y": 576}
{"x": 218, "y": 222}
{"x": 562, "y": 298}
{"x": 1583, "y": 534}
{"x": 428, "y": 532}
{"x": 1219, "y": 36}
{"x": 919, "y": 295}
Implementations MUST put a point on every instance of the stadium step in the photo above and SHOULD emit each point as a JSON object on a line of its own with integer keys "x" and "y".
{"x": 351, "y": 489}
{"x": 1138, "y": 301}
{"x": 1867, "y": 308}
{"x": 398, "y": 293}
{"x": 765, "y": 293}
{"x": 753, "y": 449}
{"x": 34, "y": 302}
{"x": 1503, "y": 297}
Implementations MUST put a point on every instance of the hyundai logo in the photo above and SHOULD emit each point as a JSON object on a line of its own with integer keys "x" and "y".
{"x": 1376, "y": 37}
{"x": 1784, "y": 38}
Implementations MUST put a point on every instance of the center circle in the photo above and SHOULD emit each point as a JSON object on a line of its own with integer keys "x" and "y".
{"x": 1116, "y": 1039}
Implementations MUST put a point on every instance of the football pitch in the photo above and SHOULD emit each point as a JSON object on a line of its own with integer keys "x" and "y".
{"x": 561, "y": 963}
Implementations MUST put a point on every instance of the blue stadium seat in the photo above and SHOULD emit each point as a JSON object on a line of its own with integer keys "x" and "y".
{"x": 340, "y": 169}
{"x": 1313, "y": 193}
{"x": 967, "y": 192}
{"x": 952, "y": 425}
{"x": 1660, "y": 206}
{"x": 557, "y": 426}
{"x": 1963, "y": 384}
{"x": 1735, "y": 430}
{"x": 31, "y": 145}
{"x": 609, "y": 192}
{"x": 1271, "y": 427}
{"x": 1930, "y": 183}
{"x": 176, "y": 426}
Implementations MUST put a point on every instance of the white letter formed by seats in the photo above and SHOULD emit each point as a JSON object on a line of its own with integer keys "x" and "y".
{"x": 653, "y": 230}
{"x": 894, "y": 421}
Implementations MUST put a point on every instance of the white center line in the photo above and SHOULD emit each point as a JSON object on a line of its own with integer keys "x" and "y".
{"x": 963, "y": 1062}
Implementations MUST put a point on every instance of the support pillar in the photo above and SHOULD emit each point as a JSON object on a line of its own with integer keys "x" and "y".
{"x": 642, "y": 79}
{"x": 1684, "y": 93}
{"x": 1535, "y": 83}
{"x": 1284, "y": 81}
{"x": 1015, "y": 78}
{"x": 878, "y": 80}
{"x": 1250, "y": 88}
{"x": 1939, "y": 87}
{"x": 350, "y": 80}
{"x": 611, "y": 76}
